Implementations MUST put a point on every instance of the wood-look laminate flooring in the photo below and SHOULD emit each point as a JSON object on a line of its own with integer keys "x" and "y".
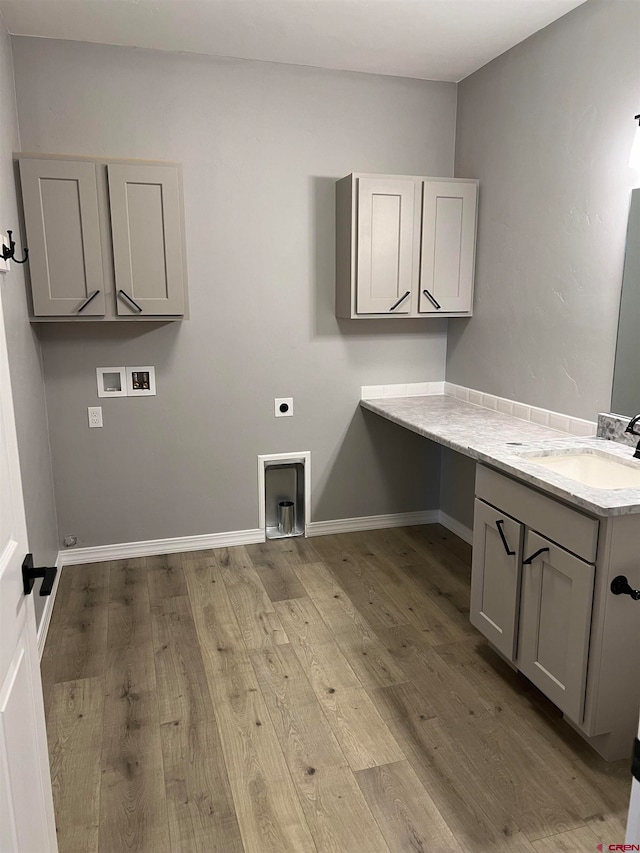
{"x": 306, "y": 695}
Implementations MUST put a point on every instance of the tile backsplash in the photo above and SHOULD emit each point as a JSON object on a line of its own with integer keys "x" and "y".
{"x": 534, "y": 414}
{"x": 407, "y": 389}
{"x": 612, "y": 427}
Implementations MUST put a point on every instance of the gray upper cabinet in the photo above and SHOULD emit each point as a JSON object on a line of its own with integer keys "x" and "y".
{"x": 105, "y": 238}
{"x": 147, "y": 239}
{"x": 62, "y": 222}
{"x": 405, "y": 246}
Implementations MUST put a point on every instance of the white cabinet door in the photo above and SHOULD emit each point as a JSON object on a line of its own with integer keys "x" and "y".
{"x": 555, "y": 622}
{"x": 387, "y": 241}
{"x": 448, "y": 246}
{"x": 146, "y": 227}
{"x": 495, "y": 577}
{"x": 27, "y": 823}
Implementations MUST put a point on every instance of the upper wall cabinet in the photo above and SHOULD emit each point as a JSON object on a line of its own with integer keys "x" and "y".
{"x": 106, "y": 239}
{"x": 405, "y": 246}
{"x": 60, "y": 200}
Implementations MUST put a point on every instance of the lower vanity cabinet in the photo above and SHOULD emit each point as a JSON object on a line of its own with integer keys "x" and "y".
{"x": 530, "y": 597}
{"x": 541, "y": 594}
{"x": 532, "y": 600}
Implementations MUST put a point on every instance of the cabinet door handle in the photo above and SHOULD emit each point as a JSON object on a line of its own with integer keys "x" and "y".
{"x": 87, "y": 301}
{"x": 132, "y": 301}
{"x": 530, "y": 559}
{"x": 508, "y": 550}
{"x": 402, "y": 298}
{"x": 432, "y": 298}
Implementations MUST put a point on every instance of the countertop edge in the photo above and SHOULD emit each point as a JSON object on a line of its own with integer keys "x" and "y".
{"x": 487, "y": 455}
{"x": 465, "y": 449}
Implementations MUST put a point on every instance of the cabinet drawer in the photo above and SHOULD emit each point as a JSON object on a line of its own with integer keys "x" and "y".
{"x": 571, "y": 529}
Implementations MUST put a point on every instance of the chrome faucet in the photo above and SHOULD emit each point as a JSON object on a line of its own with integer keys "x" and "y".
{"x": 631, "y": 429}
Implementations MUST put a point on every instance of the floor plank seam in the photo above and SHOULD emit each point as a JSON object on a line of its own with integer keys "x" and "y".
{"x": 218, "y": 727}
{"x": 246, "y": 652}
{"x": 155, "y": 670}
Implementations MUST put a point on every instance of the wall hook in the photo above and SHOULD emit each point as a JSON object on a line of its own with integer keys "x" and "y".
{"x": 9, "y": 253}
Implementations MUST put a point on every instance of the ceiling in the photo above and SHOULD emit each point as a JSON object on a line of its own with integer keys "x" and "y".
{"x": 425, "y": 39}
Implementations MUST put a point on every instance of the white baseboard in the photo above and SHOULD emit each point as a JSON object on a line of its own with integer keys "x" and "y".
{"x": 465, "y": 533}
{"x": 45, "y": 619}
{"x": 154, "y": 547}
{"x": 371, "y": 522}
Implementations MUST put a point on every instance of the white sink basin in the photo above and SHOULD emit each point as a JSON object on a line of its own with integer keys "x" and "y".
{"x": 598, "y": 470}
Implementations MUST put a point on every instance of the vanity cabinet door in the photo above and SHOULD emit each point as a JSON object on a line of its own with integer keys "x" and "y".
{"x": 448, "y": 247}
{"x": 147, "y": 234}
{"x": 555, "y": 621}
{"x": 60, "y": 199}
{"x": 387, "y": 236}
{"x": 495, "y": 577}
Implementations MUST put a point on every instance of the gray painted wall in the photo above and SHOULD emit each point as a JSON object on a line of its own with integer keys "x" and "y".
{"x": 457, "y": 487}
{"x": 25, "y": 361}
{"x": 261, "y": 147}
{"x": 547, "y": 128}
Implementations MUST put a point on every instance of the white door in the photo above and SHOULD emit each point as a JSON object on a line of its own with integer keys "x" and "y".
{"x": 27, "y": 822}
{"x": 633, "y": 824}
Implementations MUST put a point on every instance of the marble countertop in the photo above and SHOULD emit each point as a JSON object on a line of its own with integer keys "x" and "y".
{"x": 497, "y": 440}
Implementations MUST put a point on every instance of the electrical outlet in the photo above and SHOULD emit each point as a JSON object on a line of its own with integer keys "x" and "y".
{"x": 283, "y": 407}
{"x": 95, "y": 416}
